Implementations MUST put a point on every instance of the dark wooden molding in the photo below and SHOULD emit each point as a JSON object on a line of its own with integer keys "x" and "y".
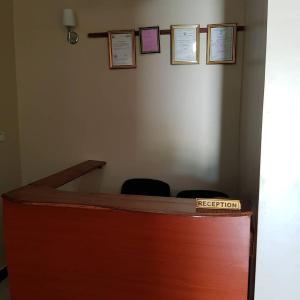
{"x": 58, "y": 179}
{"x": 41, "y": 195}
{"x": 3, "y": 274}
{"x": 43, "y": 192}
{"x": 162, "y": 32}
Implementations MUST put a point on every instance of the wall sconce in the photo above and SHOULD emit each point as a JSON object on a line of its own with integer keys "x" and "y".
{"x": 70, "y": 22}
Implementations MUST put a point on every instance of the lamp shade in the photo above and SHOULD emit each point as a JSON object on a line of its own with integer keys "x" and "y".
{"x": 69, "y": 18}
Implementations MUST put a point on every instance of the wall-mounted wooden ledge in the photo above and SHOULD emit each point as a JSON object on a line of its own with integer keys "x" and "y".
{"x": 162, "y": 32}
{"x": 43, "y": 192}
{"x": 61, "y": 178}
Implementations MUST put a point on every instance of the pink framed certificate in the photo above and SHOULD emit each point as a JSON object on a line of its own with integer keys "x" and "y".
{"x": 150, "y": 40}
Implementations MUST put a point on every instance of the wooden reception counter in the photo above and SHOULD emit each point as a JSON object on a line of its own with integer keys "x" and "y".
{"x": 68, "y": 245}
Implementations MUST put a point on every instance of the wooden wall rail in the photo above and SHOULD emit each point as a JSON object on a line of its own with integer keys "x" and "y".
{"x": 162, "y": 32}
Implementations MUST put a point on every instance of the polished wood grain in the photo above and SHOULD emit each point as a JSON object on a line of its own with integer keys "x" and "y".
{"x": 69, "y": 245}
{"x": 43, "y": 192}
{"x": 58, "y": 179}
{"x": 79, "y": 252}
{"x": 41, "y": 195}
{"x": 162, "y": 32}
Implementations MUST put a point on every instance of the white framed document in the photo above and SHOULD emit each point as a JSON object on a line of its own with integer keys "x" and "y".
{"x": 185, "y": 44}
{"x": 122, "y": 49}
{"x": 221, "y": 44}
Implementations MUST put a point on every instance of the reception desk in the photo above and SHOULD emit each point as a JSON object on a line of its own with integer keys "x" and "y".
{"x": 68, "y": 245}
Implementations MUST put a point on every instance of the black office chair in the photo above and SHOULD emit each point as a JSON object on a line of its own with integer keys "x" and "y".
{"x": 147, "y": 187}
{"x": 201, "y": 194}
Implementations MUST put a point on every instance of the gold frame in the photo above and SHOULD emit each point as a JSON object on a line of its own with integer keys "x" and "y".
{"x": 234, "y": 44}
{"x": 173, "y": 60}
{"x": 111, "y": 66}
{"x": 218, "y": 204}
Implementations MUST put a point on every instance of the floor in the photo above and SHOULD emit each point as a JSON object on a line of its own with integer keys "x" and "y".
{"x": 4, "y": 290}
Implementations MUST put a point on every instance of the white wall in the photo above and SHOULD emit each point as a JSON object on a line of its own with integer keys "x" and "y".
{"x": 252, "y": 100}
{"x": 176, "y": 123}
{"x": 9, "y": 150}
{"x": 278, "y": 264}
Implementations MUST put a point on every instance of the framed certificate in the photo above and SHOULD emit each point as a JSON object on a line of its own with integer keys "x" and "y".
{"x": 150, "y": 40}
{"x": 185, "y": 44}
{"x": 221, "y": 44}
{"x": 122, "y": 49}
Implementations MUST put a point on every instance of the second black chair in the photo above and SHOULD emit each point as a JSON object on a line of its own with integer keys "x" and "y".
{"x": 147, "y": 187}
{"x": 201, "y": 194}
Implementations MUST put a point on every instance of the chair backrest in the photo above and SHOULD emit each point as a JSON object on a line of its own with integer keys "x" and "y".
{"x": 147, "y": 187}
{"x": 201, "y": 194}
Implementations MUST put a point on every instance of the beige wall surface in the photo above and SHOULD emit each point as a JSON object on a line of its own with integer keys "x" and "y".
{"x": 252, "y": 99}
{"x": 175, "y": 123}
{"x": 9, "y": 150}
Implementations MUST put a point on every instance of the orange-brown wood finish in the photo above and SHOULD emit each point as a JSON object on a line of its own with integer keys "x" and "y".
{"x": 57, "y": 252}
{"x": 68, "y": 245}
{"x": 43, "y": 191}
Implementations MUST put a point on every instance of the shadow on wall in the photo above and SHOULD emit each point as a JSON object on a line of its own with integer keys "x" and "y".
{"x": 251, "y": 115}
{"x": 184, "y": 121}
{"x": 230, "y": 111}
{"x": 175, "y": 123}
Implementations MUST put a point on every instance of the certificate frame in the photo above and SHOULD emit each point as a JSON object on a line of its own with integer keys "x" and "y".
{"x": 174, "y": 59}
{"x": 112, "y": 65}
{"x": 156, "y": 39}
{"x": 232, "y": 59}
